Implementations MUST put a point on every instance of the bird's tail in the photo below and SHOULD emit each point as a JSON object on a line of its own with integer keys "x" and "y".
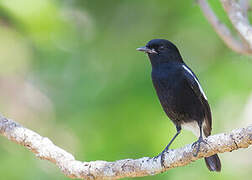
{"x": 213, "y": 163}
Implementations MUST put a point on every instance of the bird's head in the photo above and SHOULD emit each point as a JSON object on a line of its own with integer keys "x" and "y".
{"x": 161, "y": 51}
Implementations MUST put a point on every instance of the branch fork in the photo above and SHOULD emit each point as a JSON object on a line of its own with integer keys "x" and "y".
{"x": 237, "y": 12}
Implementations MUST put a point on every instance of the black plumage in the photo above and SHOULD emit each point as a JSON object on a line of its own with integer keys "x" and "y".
{"x": 180, "y": 94}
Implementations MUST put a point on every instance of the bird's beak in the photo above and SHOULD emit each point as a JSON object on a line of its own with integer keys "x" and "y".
{"x": 147, "y": 50}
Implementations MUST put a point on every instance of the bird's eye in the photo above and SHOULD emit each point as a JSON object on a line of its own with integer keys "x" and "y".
{"x": 161, "y": 47}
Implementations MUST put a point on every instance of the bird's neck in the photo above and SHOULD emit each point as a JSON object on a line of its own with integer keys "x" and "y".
{"x": 164, "y": 61}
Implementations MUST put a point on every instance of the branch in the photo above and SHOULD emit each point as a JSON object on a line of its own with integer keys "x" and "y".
{"x": 237, "y": 13}
{"x": 245, "y": 6}
{"x": 220, "y": 28}
{"x": 239, "y": 19}
{"x": 44, "y": 149}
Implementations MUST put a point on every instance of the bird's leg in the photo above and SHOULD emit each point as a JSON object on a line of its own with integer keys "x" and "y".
{"x": 178, "y": 127}
{"x": 197, "y": 143}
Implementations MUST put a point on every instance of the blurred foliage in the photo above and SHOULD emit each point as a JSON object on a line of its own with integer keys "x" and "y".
{"x": 70, "y": 71}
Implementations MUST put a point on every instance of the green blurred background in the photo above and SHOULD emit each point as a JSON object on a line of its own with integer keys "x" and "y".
{"x": 70, "y": 71}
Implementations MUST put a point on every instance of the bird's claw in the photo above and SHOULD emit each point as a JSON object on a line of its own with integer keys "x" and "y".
{"x": 197, "y": 145}
{"x": 157, "y": 156}
{"x": 162, "y": 156}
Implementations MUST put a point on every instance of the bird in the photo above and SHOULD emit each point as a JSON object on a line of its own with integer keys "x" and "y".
{"x": 180, "y": 94}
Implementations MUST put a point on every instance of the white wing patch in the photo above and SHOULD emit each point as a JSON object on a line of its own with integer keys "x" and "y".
{"x": 190, "y": 72}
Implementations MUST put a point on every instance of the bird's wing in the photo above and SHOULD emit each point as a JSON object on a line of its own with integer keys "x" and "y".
{"x": 193, "y": 82}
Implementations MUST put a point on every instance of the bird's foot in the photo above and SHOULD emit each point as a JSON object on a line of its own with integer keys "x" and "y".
{"x": 162, "y": 156}
{"x": 197, "y": 145}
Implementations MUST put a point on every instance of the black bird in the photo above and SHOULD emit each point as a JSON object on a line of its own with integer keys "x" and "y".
{"x": 180, "y": 94}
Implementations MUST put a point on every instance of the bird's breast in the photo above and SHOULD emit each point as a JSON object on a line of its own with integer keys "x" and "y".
{"x": 169, "y": 86}
{"x": 167, "y": 81}
{"x": 177, "y": 98}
